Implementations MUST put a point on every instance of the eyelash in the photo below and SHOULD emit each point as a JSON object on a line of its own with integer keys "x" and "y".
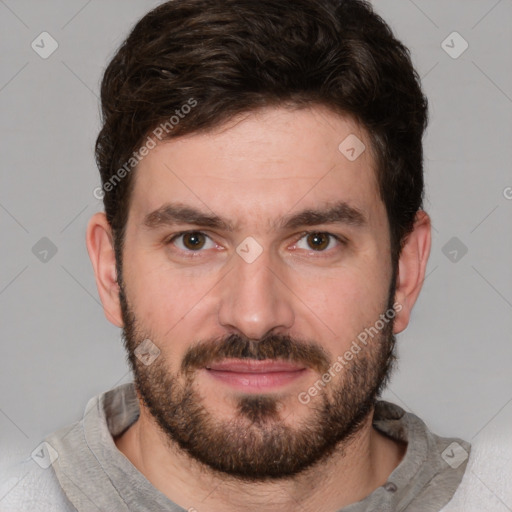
{"x": 192, "y": 254}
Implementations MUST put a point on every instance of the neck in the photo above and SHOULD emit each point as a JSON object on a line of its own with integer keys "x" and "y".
{"x": 350, "y": 474}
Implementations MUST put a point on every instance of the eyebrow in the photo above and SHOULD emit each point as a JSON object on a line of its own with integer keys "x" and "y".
{"x": 176, "y": 213}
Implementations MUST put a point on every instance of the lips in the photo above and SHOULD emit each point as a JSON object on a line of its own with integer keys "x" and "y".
{"x": 255, "y": 376}
{"x": 255, "y": 366}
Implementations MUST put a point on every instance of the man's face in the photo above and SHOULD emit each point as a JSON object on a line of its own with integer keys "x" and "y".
{"x": 250, "y": 313}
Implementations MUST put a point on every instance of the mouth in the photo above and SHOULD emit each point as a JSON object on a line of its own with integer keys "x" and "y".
{"x": 255, "y": 376}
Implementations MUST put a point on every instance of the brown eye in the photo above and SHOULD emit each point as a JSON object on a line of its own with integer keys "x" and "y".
{"x": 193, "y": 240}
{"x": 192, "y": 244}
{"x": 318, "y": 241}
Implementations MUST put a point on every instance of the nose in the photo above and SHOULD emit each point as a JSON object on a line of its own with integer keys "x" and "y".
{"x": 255, "y": 298}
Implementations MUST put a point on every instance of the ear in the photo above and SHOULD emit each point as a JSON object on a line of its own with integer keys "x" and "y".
{"x": 100, "y": 247}
{"x": 411, "y": 269}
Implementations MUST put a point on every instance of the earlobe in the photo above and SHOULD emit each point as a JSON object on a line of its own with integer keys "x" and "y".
{"x": 411, "y": 269}
{"x": 100, "y": 247}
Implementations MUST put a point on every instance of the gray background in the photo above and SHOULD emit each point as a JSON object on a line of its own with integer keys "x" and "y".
{"x": 58, "y": 350}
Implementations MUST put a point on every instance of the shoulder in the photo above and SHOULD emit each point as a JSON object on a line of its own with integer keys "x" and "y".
{"x": 487, "y": 482}
{"x": 27, "y": 487}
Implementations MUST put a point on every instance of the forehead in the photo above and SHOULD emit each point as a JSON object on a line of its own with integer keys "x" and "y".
{"x": 258, "y": 167}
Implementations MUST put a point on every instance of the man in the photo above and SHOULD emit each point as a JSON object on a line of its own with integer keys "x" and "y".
{"x": 262, "y": 244}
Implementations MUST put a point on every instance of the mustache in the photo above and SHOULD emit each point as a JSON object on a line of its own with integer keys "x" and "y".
{"x": 276, "y": 347}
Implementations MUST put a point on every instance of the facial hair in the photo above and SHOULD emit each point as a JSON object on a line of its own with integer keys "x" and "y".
{"x": 256, "y": 444}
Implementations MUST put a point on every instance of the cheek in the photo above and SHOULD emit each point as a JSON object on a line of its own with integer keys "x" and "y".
{"x": 168, "y": 302}
{"x": 345, "y": 300}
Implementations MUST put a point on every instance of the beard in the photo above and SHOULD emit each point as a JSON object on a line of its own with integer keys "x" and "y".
{"x": 256, "y": 444}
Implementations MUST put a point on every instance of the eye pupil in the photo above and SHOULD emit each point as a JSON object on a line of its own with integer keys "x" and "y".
{"x": 193, "y": 240}
{"x": 319, "y": 241}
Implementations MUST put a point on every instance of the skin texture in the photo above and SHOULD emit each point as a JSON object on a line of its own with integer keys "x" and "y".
{"x": 253, "y": 171}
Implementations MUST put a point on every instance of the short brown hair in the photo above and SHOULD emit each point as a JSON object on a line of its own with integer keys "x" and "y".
{"x": 234, "y": 56}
